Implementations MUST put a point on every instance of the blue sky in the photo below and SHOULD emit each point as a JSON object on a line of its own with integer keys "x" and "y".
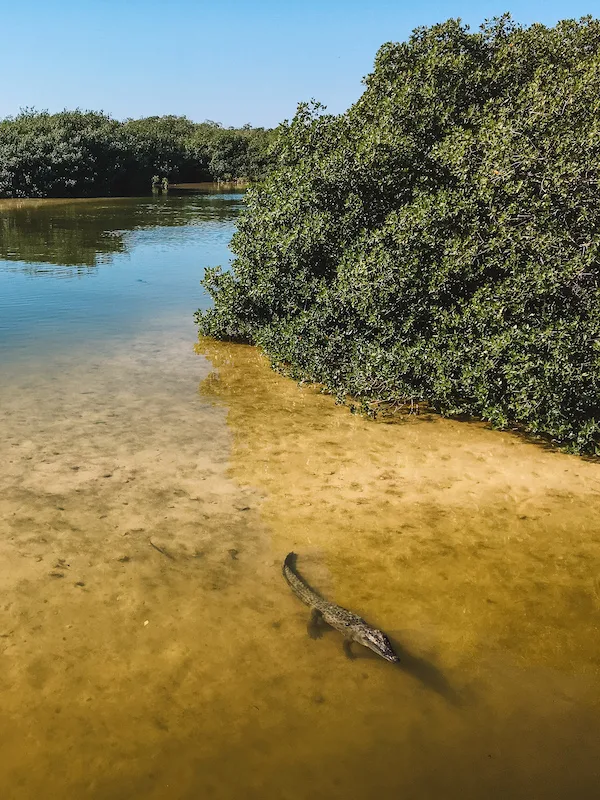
{"x": 232, "y": 61}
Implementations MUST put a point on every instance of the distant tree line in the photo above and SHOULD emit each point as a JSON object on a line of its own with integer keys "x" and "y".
{"x": 440, "y": 240}
{"x": 84, "y": 153}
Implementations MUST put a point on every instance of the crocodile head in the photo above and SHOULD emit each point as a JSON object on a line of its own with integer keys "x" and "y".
{"x": 379, "y": 643}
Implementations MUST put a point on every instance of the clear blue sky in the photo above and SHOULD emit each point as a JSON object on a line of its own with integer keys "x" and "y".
{"x": 232, "y": 61}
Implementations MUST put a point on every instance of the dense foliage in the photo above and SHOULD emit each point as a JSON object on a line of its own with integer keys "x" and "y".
{"x": 439, "y": 240}
{"x": 77, "y": 153}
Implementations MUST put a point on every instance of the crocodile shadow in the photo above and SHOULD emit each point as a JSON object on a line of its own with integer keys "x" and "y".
{"x": 421, "y": 669}
{"x": 424, "y": 671}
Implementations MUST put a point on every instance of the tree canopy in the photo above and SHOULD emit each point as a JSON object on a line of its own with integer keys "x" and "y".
{"x": 439, "y": 240}
{"x": 79, "y": 153}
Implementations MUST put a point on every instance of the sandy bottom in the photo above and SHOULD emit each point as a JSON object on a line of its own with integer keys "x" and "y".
{"x": 149, "y": 647}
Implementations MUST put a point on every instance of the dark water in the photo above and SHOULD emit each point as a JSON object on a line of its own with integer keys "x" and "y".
{"x": 149, "y": 646}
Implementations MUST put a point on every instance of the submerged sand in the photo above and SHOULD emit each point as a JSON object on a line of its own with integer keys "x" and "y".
{"x": 149, "y": 647}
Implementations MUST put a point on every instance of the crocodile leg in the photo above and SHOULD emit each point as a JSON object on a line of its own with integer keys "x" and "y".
{"x": 348, "y": 649}
{"x": 314, "y": 624}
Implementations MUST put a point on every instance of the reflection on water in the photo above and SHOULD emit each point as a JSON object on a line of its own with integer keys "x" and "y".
{"x": 124, "y": 263}
{"x": 149, "y": 645}
{"x": 63, "y": 235}
{"x": 85, "y": 233}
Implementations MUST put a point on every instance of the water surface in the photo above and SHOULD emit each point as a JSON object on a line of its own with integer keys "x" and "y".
{"x": 149, "y": 646}
{"x": 102, "y": 269}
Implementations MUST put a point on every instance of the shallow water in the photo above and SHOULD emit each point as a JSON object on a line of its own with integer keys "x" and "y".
{"x": 149, "y": 646}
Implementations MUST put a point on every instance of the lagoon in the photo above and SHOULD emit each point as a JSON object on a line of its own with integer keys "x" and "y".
{"x": 149, "y": 646}
{"x": 100, "y": 269}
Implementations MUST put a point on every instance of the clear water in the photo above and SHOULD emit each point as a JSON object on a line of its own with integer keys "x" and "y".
{"x": 149, "y": 647}
{"x": 94, "y": 270}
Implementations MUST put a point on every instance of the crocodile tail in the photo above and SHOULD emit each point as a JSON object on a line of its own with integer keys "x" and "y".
{"x": 297, "y": 584}
{"x": 290, "y": 561}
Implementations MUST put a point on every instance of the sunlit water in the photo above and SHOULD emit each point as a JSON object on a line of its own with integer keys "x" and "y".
{"x": 149, "y": 647}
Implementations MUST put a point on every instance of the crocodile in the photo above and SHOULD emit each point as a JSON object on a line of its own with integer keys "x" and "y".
{"x": 351, "y": 626}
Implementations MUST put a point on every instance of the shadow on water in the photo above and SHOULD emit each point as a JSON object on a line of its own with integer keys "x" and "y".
{"x": 425, "y": 671}
{"x": 421, "y": 669}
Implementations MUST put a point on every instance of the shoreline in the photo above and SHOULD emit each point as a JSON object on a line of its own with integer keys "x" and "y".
{"x": 215, "y": 187}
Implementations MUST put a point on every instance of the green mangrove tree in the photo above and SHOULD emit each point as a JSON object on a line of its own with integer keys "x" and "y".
{"x": 438, "y": 241}
{"x": 77, "y": 153}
